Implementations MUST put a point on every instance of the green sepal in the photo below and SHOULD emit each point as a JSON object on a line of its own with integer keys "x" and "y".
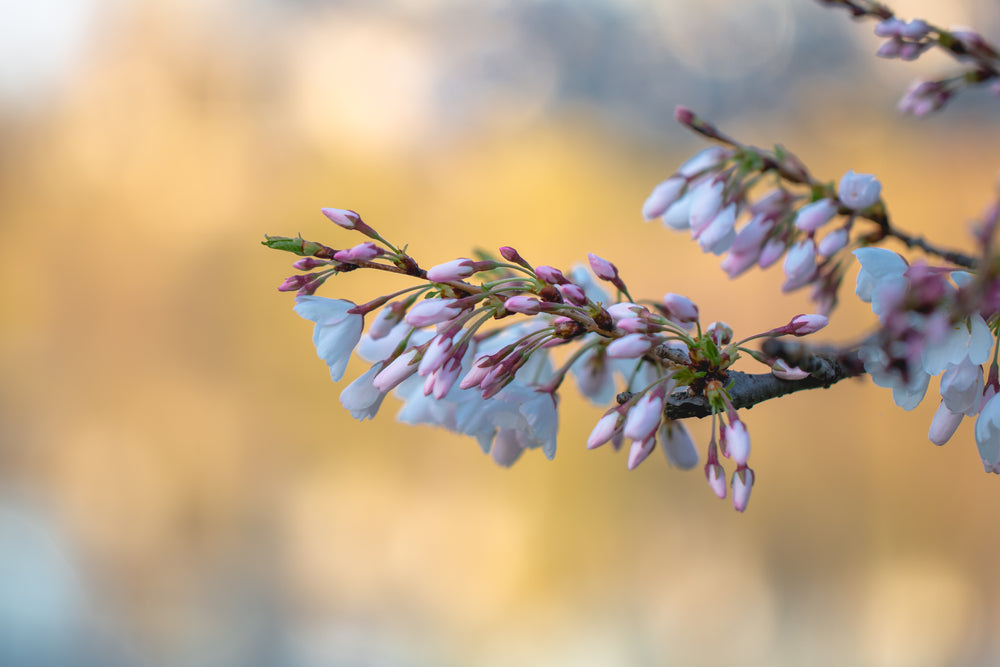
{"x": 297, "y": 245}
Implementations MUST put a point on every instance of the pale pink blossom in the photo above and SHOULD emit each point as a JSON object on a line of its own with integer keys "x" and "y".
{"x": 362, "y": 398}
{"x": 337, "y": 331}
{"x": 878, "y": 265}
{"x": 859, "y": 191}
{"x": 962, "y": 387}
{"x": 988, "y": 434}
{"x": 944, "y": 424}
{"x": 593, "y": 373}
{"x": 677, "y": 445}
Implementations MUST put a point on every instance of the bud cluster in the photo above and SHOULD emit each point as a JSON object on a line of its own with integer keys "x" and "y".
{"x": 808, "y": 223}
{"x": 482, "y": 347}
{"x": 478, "y": 358}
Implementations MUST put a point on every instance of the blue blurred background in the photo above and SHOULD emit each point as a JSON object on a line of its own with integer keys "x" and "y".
{"x": 178, "y": 482}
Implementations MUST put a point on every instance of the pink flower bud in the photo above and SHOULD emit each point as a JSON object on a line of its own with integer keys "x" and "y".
{"x": 680, "y": 308}
{"x": 771, "y": 253}
{"x": 572, "y": 294}
{"x": 813, "y": 216}
{"x": 602, "y": 268}
{"x": 308, "y": 263}
{"x": 891, "y": 27}
{"x": 605, "y": 429}
{"x": 705, "y": 204}
{"x": 716, "y": 476}
{"x": 743, "y": 480}
{"x": 456, "y": 269}
{"x": 916, "y": 29}
{"x": 800, "y": 265}
{"x": 293, "y": 283}
{"x": 738, "y": 442}
{"x": 944, "y": 424}
{"x": 644, "y": 417}
{"x": 735, "y": 263}
{"x": 859, "y": 191}
{"x": 551, "y": 275}
{"x": 631, "y": 346}
{"x": 634, "y": 325}
{"x": 683, "y": 115}
{"x": 344, "y": 217}
{"x": 481, "y": 367}
{"x": 910, "y": 51}
{"x": 707, "y": 159}
{"x": 752, "y": 236}
{"x": 359, "y": 253}
{"x": 528, "y": 305}
{"x": 663, "y": 197}
{"x": 444, "y": 377}
{"x": 639, "y": 451}
{"x": 802, "y": 325}
{"x": 383, "y": 323}
{"x": 392, "y": 375}
{"x": 891, "y": 48}
{"x": 720, "y": 332}
{"x": 718, "y": 236}
{"x": 432, "y": 311}
{"x": 511, "y": 255}
{"x": 620, "y": 311}
{"x": 833, "y": 242}
{"x": 435, "y": 355}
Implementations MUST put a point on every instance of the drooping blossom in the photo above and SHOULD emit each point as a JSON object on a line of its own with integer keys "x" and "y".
{"x": 337, "y": 331}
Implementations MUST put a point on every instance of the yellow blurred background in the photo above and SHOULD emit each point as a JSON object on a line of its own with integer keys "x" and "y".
{"x": 178, "y": 482}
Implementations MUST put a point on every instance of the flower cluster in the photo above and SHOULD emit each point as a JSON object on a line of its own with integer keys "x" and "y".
{"x": 479, "y": 358}
{"x": 925, "y": 333}
{"x": 482, "y": 347}
{"x": 907, "y": 40}
{"x": 713, "y": 196}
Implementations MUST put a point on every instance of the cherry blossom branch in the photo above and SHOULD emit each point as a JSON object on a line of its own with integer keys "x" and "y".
{"x": 791, "y": 169}
{"x": 826, "y": 366}
{"x": 886, "y": 229}
{"x": 908, "y": 40}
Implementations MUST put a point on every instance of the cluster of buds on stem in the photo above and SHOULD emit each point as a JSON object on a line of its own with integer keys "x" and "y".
{"x": 482, "y": 347}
